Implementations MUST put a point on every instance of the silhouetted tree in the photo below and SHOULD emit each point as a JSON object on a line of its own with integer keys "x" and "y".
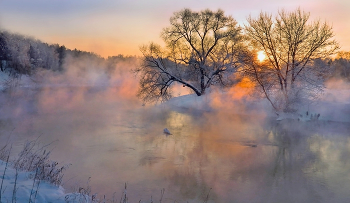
{"x": 61, "y": 50}
{"x": 291, "y": 44}
{"x": 3, "y": 51}
{"x": 202, "y": 49}
{"x": 33, "y": 55}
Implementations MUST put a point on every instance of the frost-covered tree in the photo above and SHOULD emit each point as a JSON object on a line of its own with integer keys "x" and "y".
{"x": 202, "y": 49}
{"x": 18, "y": 47}
{"x": 24, "y": 55}
{"x": 291, "y": 44}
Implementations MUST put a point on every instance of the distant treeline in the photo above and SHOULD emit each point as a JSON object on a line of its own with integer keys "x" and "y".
{"x": 341, "y": 66}
{"x": 21, "y": 55}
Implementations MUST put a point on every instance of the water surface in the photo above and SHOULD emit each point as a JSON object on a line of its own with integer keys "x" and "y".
{"x": 230, "y": 156}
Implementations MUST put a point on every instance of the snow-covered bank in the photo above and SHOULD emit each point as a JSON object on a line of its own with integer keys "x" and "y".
{"x": 25, "y": 188}
{"x": 333, "y": 106}
{"x": 190, "y": 102}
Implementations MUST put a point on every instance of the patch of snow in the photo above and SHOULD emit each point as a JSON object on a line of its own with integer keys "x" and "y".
{"x": 333, "y": 106}
{"x": 46, "y": 192}
{"x": 24, "y": 187}
{"x": 190, "y": 101}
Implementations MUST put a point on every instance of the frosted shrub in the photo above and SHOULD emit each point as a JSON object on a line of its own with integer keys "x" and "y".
{"x": 4, "y": 152}
{"x": 32, "y": 158}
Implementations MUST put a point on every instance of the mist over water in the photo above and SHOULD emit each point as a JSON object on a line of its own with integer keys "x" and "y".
{"x": 225, "y": 145}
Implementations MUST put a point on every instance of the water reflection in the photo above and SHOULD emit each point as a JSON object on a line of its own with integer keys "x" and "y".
{"x": 237, "y": 158}
{"x": 279, "y": 163}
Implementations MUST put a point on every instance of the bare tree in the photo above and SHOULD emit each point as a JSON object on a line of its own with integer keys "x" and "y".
{"x": 291, "y": 44}
{"x": 202, "y": 49}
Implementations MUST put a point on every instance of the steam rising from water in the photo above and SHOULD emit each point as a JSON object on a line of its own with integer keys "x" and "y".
{"x": 232, "y": 144}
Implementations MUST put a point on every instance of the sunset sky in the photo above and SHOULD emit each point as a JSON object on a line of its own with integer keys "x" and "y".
{"x": 112, "y": 27}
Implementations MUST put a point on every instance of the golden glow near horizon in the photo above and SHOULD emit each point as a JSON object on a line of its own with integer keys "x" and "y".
{"x": 109, "y": 28}
{"x": 261, "y": 55}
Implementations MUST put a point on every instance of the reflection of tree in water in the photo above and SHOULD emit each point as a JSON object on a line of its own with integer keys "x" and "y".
{"x": 150, "y": 160}
{"x": 300, "y": 169}
{"x": 289, "y": 178}
{"x": 191, "y": 186}
{"x": 283, "y": 162}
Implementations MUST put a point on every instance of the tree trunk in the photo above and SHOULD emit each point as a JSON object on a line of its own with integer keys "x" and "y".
{"x": 202, "y": 82}
{"x": 1, "y": 66}
{"x": 202, "y": 74}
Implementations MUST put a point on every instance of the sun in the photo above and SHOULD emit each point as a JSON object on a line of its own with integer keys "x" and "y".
{"x": 261, "y": 55}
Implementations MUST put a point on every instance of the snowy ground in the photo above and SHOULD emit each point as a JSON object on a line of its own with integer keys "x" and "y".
{"x": 25, "y": 190}
{"x": 334, "y": 105}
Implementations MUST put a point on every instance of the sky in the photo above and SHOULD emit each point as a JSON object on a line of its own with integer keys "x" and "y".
{"x": 112, "y": 27}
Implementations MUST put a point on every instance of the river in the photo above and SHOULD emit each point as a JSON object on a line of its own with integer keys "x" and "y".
{"x": 219, "y": 155}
